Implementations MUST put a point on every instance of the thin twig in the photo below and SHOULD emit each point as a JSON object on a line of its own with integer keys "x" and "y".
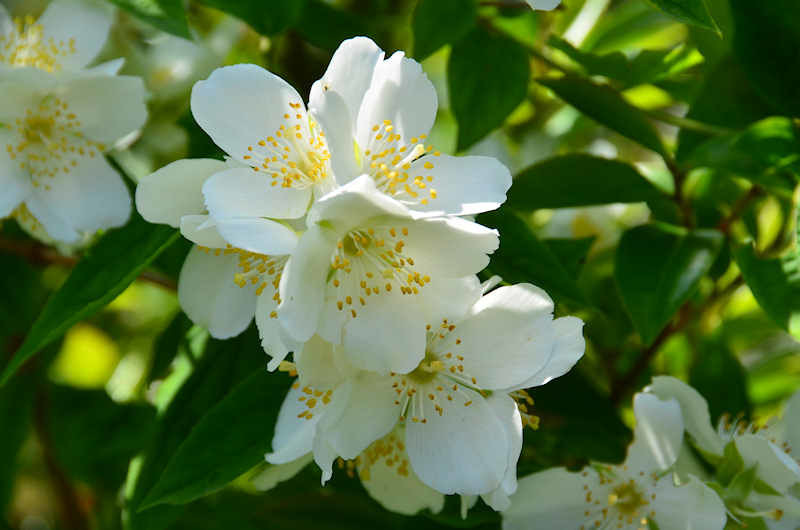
{"x": 42, "y": 255}
{"x": 687, "y": 123}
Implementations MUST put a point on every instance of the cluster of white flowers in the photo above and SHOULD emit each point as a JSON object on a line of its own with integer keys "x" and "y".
{"x": 350, "y": 242}
{"x": 754, "y": 475}
{"x": 58, "y": 118}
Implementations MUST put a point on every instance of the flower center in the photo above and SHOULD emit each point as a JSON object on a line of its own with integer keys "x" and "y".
{"x": 625, "y": 506}
{"x": 311, "y": 399}
{"x": 388, "y": 161}
{"x": 25, "y": 45}
{"x": 389, "y": 449}
{"x": 256, "y": 270}
{"x": 296, "y": 156}
{"x": 50, "y": 142}
{"x": 370, "y": 261}
{"x": 627, "y": 498}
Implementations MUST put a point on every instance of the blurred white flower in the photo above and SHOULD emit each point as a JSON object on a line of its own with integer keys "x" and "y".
{"x": 628, "y": 496}
{"x": 544, "y": 5}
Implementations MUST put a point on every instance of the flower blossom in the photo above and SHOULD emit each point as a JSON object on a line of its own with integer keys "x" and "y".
{"x": 450, "y": 424}
{"x": 57, "y": 119}
{"x": 627, "y": 496}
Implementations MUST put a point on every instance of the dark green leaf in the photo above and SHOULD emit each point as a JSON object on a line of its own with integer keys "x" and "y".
{"x": 166, "y": 15}
{"x": 607, "y": 106}
{"x": 767, "y": 153}
{"x": 94, "y": 437}
{"x": 106, "y": 270}
{"x": 578, "y": 180}
{"x": 326, "y": 26}
{"x": 571, "y": 252}
{"x": 775, "y": 284}
{"x": 168, "y": 345}
{"x": 658, "y": 267}
{"x": 766, "y": 40}
{"x": 16, "y": 399}
{"x": 265, "y": 16}
{"x": 522, "y": 257}
{"x": 230, "y": 439}
{"x": 720, "y": 378}
{"x": 440, "y": 22}
{"x": 487, "y": 76}
{"x": 689, "y": 11}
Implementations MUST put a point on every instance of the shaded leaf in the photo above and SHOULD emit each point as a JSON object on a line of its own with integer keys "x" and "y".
{"x": 104, "y": 272}
{"x": 168, "y": 345}
{"x": 265, "y": 16}
{"x": 571, "y": 252}
{"x": 325, "y": 26}
{"x": 607, "y": 107}
{"x": 720, "y": 378}
{"x": 578, "y": 180}
{"x": 658, "y": 267}
{"x": 487, "y": 77}
{"x": 440, "y": 22}
{"x": 166, "y": 15}
{"x": 690, "y": 11}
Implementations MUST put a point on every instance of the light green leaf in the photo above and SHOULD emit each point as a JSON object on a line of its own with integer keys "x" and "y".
{"x": 658, "y": 267}
{"x": 578, "y": 180}
{"x": 487, "y": 77}
{"x": 106, "y": 270}
{"x": 607, "y": 107}
{"x": 689, "y": 11}
{"x": 166, "y": 15}
{"x": 440, "y": 22}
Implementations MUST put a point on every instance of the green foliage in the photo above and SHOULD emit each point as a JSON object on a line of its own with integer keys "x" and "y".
{"x": 166, "y": 15}
{"x": 487, "y": 77}
{"x": 658, "y": 267}
{"x": 720, "y": 378}
{"x": 440, "y": 22}
{"x": 265, "y": 16}
{"x": 690, "y": 11}
{"x": 578, "y": 180}
{"x": 108, "y": 268}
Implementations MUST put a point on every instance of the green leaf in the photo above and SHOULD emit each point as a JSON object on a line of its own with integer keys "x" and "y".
{"x": 766, "y": 40}
{"x": 607, "y": 106}
{"x": 658, "y": 267}
{"x": 94, "y": 437}
{"x": 440, "y": 22}
{"x": 741, "y": 486}
{"x": 720, "y": 378}
{"x": 16, "y": 401}
{"x": 325, "y": 26}
{"x": 775, "y": 284}
{"x": 571, "y": 252}
{"x": 168, "y": 345}
{"x": 732, "y": 464}
{"x": 767, "y": 153}
{"x": 690, "y": 11}
{"x": 487, "y": 77}
{"x": 221, "y": 446}
{"x": 166, "y": 15}
{"x": 265, "y": 16}
{"x": 106, "y": 270}
{"x": 222, "y": 367}
{"x": 522, "y": 257}
{"x": 578, "y": 180}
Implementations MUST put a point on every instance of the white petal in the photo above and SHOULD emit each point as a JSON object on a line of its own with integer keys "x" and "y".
{"x": 210, "y": 297}
{"x": 464, "y": 185}
{"x": 294, "y": 435}
{"x": 450, "y": 247}
{"x": 352, "y": 204}
{"x": 14, "y": 181}
{"x": 324, "y": 455}
{"x": 774, "y": 467}
{"x": 201, "y": 230}
{"x": 791, "y": 421}
{"x": 464, "y": 450}
{"x": 239, "y": 105}
{"x": 658, "y": 434}
{"x": 90, "y": 197}
{"x": 384, "y": 472}
{"x": 693, "y": 506}
{"x": 303, "y": 284}
{"x": 111, "y": 67}
{"x": 175, "y": 190}
{"x": 553, "y": 498}
{"x": 6, "y": 24}
{"x": 269, "y": 330}
{"x": 401, "y": 92}
{"x": 85, "y": 22}
{"x": 275, "y": 474}
{"x": 507, "y": 338}
{"x": 47, "y": 223}
{"x": 320, "y": 365}
{"x": 507, "y": 412}
{"x": 568, "y": 348}
{"x": 108, "y": 107}
{"x": 242, "y": 192}
{"x": 336, "y": 98}
{"x": 695, "y": 412}
{"x": 262, "y": 236}
{"x": 367, "y": 414}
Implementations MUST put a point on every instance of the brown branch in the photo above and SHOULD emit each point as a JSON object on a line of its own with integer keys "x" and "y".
{"x": 43, "y": 255}
{"x": 73, "y": 516}
{"x": 738, "y": 209}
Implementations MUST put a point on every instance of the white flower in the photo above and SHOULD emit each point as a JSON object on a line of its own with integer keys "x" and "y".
{"x": 544, "y": 5}
{"x": 626, "y": 496}
{"x": 453, "y": 417}
{"x": 221, "y": 286}
{"x": 376, "y": 114}
{"x": 369, "y": 275}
